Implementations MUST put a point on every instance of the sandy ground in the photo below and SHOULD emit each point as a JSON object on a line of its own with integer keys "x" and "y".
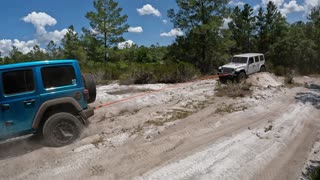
{"x": 184, "y": 132}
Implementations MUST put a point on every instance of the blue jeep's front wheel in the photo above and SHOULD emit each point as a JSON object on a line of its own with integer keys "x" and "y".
{"x": 62, "y": 129}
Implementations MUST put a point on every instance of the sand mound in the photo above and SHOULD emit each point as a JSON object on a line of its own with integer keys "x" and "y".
{"x": 264, "y": 79}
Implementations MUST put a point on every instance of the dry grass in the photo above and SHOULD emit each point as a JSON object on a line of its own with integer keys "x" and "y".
{"x": 98, "y": 141}
{"x": 223, "y": 108}
{"x": 129, "y": 90}
{"x": 157, "y": 122}
{"x": 177, "y": 114}
{"x": 190, "y": 108}
{"x": 136, "y": 130}
{"x": 233, "y": 90}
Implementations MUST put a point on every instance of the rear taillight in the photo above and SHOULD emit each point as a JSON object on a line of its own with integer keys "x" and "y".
{"x": 86, "y": 94}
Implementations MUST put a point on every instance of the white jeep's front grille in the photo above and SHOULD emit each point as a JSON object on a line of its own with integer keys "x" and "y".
{"x": 227, "y": 70}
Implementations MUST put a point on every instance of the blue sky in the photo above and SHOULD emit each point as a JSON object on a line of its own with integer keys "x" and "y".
{"x": 25, "y": 23}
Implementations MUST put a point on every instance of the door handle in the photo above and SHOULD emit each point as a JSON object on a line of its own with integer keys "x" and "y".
{"x": 29, "y": 102}
{"x": 5, "y": 107}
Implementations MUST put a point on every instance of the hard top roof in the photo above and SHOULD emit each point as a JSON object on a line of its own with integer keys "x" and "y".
{"x": 248, "y": 55}
{"x": 35, "y": 63}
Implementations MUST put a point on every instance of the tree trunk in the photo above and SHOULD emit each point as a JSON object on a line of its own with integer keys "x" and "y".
{"x": 105, "y": 47}
{"x": 203, "y": 39}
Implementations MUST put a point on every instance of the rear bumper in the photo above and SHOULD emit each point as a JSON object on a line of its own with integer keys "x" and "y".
{"x": 89, "y": 112}
{"x": 86, "y": 114}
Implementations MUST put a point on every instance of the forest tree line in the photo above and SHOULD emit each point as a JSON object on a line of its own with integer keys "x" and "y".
{"x": 206, "y": 43}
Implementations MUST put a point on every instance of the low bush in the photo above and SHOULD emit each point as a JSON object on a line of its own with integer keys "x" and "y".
{"x": 279, "y": 70}
{"x": 313, "y": 171}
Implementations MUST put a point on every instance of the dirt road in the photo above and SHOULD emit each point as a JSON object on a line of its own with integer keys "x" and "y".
{"x": 183, "y": 133}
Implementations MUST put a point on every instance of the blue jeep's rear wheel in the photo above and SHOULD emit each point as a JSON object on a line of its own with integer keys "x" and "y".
{"x": 62, "y": 129}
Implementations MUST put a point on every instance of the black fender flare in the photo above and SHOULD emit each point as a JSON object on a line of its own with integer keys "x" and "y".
{"x": 42, "y": 109}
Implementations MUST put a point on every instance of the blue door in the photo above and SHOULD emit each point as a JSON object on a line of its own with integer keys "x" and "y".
{"x": 20, "y": 101}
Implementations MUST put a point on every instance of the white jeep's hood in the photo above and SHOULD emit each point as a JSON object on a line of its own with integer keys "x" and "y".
{"x": 234, "y": 65}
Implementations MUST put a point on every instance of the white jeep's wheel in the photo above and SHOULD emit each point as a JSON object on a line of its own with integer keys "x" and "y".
{"x": 62, "y": 129}
{"x": 262, "y": 69}
{"x": 241, "y": 76}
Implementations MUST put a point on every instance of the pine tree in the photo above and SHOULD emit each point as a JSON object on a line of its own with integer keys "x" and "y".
{"x": 201, "y": 20}
{"x": 242, "y": 27}
{"x": 107, "y": 24}
{"x": 72, "y": 45}
{"x": 271, "y": 27}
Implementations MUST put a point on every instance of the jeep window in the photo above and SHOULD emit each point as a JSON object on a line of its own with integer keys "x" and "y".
{"x": 256, "y": 59}
{"x": 19, "y": 81}
{"x": 239, "y": 60}
{"x": 57, "y": 76}
{"x": 250, "y": 60}
{"x": 261, "y": 58}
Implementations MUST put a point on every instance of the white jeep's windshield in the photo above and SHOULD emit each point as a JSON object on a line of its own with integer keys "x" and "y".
{"x": 239, "y": 59}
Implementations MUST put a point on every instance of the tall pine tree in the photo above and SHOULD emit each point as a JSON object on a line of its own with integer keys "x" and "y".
{"x": 201, "y": 20}
{"x": 243, "y": 28}
{"x": 72, "y": 45}
{"x": 107, "y": 24}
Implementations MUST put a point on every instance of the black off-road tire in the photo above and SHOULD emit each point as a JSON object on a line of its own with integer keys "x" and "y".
{"x": 241, "y": 76}
{"x": 90, "y": 85}
{"x": 263, "y": 69}
{"x": 61, "y": 129}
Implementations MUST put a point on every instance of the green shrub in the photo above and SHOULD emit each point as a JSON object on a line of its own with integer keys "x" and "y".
{"x": 159, "y": 73}
{"x": 141, "y": 73}
{"x": 313, "y": 171}
{"x": 281, "y": 71}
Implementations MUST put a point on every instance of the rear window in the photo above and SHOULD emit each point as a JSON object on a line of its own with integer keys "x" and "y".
{"x": 57, "y": 76}
{"x": 256, "y": 59}
{"x": 261, "y": 58}
{"x": 19, "y": 81}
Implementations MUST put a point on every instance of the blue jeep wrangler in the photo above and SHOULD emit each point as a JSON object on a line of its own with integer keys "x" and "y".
{"x": 47, "y": 98}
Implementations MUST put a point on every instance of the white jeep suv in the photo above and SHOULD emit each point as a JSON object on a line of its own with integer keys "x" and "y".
{"x": 242, "y": 65}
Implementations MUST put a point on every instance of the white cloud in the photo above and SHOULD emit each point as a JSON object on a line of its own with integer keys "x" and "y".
{"x": 148, "y": 10}
{"x": 125, "y": 44}
{"x": 236, "y": 3}
{"x": 309, "y": 4}
{"x": 173, "y": 32}
{"x": 278, "y": 3}
{"x": 256, "y": 7}
{"x": 39, "y": 20}
{"x": 93, "y": 31}
{"x": 55, "y": 36}
{"x": 226, "y": 22}
{"x": 23, "y": 46}
{"x": 135, "y": 29}
{"x": 290, "y": 7}
{"x": 164, "y": 21}
{"x": 5, "y": 46}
